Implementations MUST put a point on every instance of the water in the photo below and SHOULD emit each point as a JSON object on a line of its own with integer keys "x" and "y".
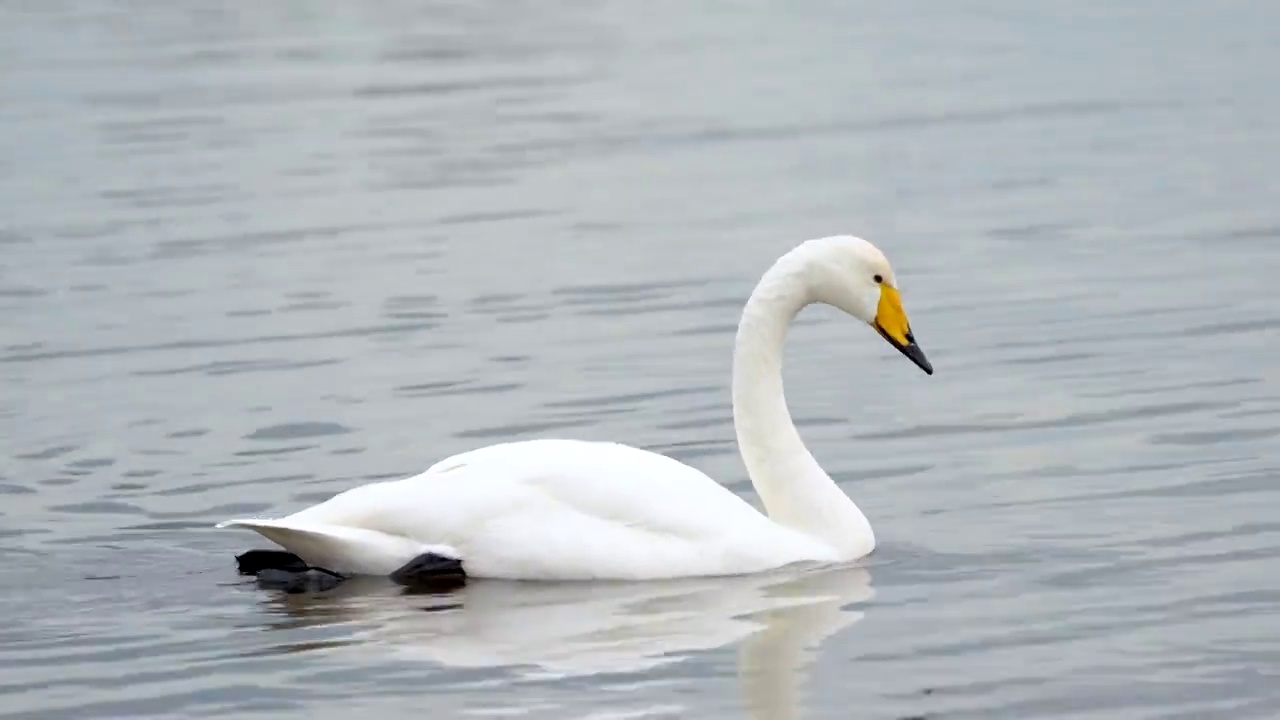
{"x": 251, "y": 255}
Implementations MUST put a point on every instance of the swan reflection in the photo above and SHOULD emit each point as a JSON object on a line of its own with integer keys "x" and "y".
{"x": 555, "y": 630}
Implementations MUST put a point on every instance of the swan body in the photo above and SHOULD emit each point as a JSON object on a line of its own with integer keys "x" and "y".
{"x": 560, "y": 509}
{"x": 547, "y": 509}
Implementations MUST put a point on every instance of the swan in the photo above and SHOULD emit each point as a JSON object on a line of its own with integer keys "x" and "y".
{"x": 563, "y": 509}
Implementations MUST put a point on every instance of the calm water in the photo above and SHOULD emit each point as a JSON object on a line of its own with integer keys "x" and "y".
{"x": 252, "y": 255}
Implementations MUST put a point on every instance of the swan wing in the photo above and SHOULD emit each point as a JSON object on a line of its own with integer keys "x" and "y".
{"x": 617, "y": 483}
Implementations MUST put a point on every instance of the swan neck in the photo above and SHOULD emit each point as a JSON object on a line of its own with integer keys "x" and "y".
{"x": 793, "y": 487}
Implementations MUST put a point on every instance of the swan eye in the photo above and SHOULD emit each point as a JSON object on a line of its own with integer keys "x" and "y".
{"x": 878, "y": 278}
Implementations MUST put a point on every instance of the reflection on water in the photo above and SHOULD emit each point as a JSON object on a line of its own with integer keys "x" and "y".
{"x": 560, "y": 630}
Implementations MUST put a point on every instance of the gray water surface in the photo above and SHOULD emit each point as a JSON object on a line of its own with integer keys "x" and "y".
{"x": 252, "y": 255}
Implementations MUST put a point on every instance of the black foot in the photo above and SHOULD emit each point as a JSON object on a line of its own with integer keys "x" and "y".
{"x": 292, "y": 582}
{"x": 280, "y": 570}
{"x": 255, "y": 561}
{"x": 431, "y": 572}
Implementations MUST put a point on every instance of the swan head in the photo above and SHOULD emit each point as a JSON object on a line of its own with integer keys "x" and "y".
{"x": 855, "y": 276}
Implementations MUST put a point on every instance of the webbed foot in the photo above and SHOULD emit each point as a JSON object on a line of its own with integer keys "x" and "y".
{"x": 255, "y": 561}
{"x": 294, "y": 582}
{"x": 280, "y": 570}
{"x": 431, "y": 572}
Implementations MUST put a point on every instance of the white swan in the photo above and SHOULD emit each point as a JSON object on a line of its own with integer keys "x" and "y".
{"x": 575, "y": 510}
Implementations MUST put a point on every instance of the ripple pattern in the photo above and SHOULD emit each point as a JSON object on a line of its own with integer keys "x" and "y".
{"x": 253, "y": 255}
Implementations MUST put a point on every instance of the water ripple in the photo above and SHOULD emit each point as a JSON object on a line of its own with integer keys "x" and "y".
{"x": 256, "y": 256}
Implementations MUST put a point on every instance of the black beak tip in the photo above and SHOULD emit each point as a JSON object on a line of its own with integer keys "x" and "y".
{"x": 916, "y": 355}
{"x": 911, "y": 350}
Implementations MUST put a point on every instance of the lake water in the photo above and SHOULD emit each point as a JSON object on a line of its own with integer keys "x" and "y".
{"x": 252, "y": 255}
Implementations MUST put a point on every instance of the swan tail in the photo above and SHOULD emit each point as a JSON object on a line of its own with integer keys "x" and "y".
{"x": 342, "y": 549}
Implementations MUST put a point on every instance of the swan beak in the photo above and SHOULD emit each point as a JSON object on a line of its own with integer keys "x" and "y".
{"x": 891, "y": 322}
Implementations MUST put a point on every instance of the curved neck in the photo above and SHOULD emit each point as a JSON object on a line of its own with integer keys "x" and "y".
{"x": 796, "y": 492}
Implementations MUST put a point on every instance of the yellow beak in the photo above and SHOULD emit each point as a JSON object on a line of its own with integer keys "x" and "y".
{"x": 892, "y": 324}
